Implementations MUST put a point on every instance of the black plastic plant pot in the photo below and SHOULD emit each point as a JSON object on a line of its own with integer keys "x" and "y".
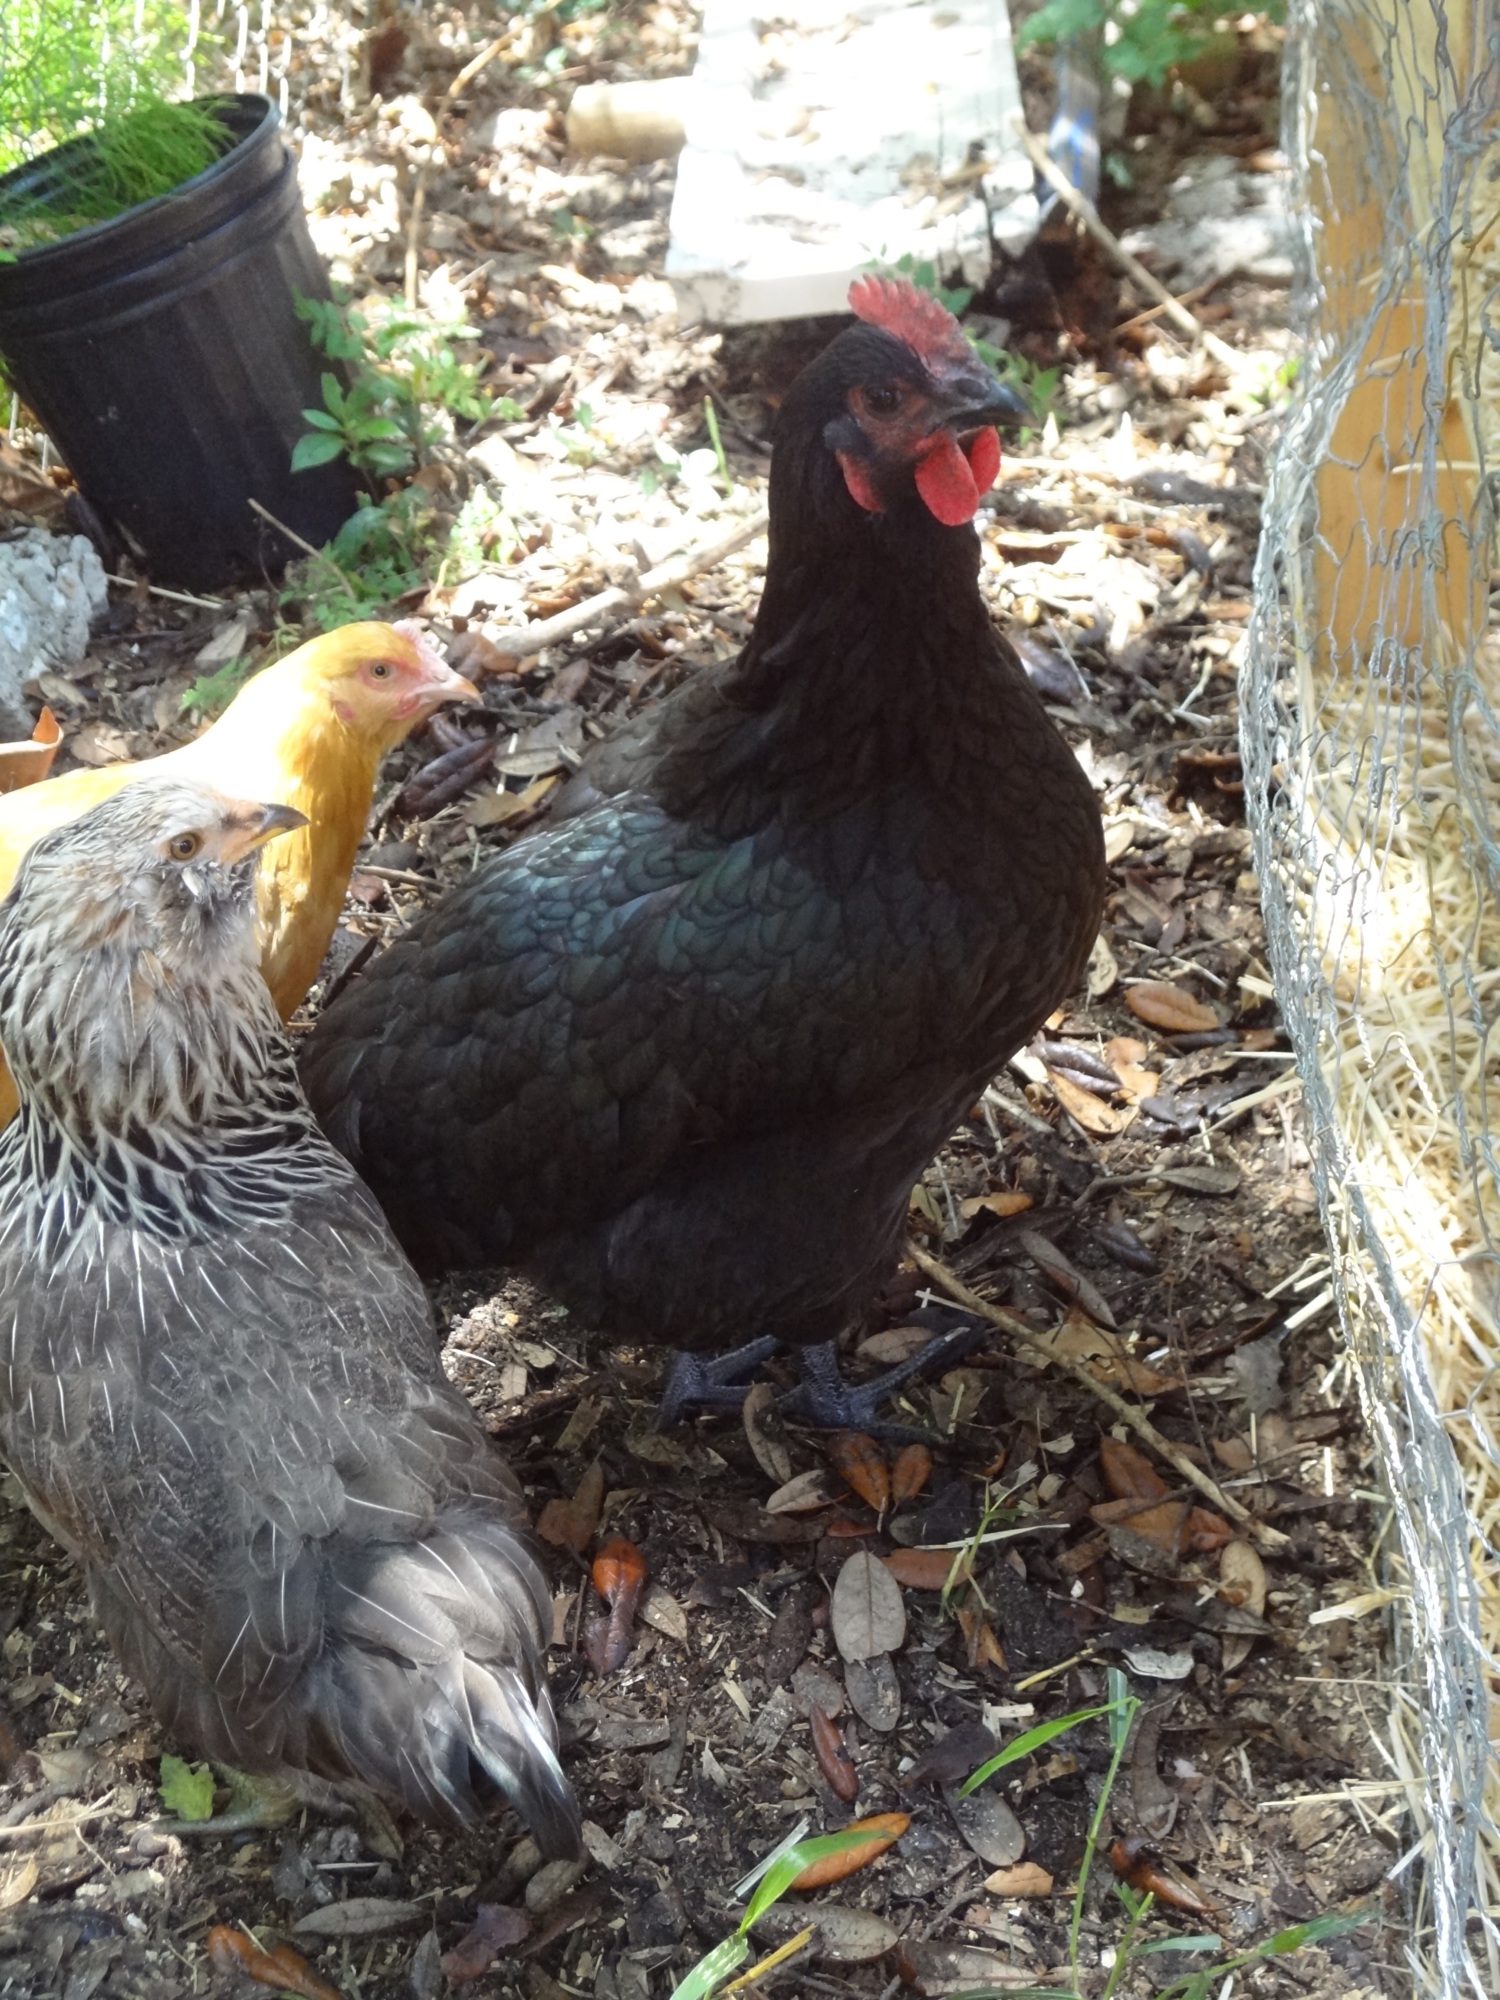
{"x": 163, "y": 353}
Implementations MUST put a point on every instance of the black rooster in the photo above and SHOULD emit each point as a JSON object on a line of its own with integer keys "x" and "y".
{"x": 685, "y": 1053}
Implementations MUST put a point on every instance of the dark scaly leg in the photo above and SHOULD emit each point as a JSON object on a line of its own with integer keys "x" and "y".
{"x": 694, "y": 1383}
{"x": 826, "y": 1401}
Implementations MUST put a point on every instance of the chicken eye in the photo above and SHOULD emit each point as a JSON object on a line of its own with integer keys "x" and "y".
{"x": 883, "y": 398}
{"x": 183, "y": 846}
{"x": 379, "y": 670}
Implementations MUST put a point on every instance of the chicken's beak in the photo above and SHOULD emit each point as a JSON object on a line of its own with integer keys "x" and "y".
{"x": 251, "y": 826}
{"x": 974, "y": 401}
{"x": 444, "y": 685}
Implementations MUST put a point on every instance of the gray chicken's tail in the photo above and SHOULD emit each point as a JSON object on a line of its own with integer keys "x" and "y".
{"x": 437, "y": 1651}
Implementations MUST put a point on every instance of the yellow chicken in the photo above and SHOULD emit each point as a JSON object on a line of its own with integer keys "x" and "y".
{"x": 308, "y": 732}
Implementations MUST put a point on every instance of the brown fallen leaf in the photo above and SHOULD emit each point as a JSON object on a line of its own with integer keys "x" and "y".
{"x": 1069, "y": 1280}
{"x": 1127, "y": 1056}
{"x": 805, "y": 1494}
{"x": 1162, "y": 1523}
{"x": 1128, "y": 1473}
{"x": 834, "y": 1867}
{"x": 1094, "y": 1114}
{"x": 1207, "y": 1531}
{"x": 1143, "y": 1868}
{"x": 232, "y": 1950}
{"x": 472, "y": 654}
{"x": 928, "y": 1569}
{"x": 895, "y": 1345}
{"x": 874, "y": 1692}
{"x": 866, "y": 1615}
{"x": 1077, "y": 1338}
{"x": 17, "y": 1884}
{"x": 1004, "y": 1201}
{"x": 833, "y": 1756}
{"x": 910, "y": 1473}
{"x": 860, "y": 1461}
{"x": 28, "y": 763}
{"x": 445, "y": 779}
{"x": 23, "y": 491}
{"x": 1170, "y": 1008}
{"x": 361, "y": 1916}
{"x": 619, "y": 1576}
{"x": 766, "y": 1433}
{"x": 572, "y": 1524}
{"x": 502, "y": 808}
{"x": 982, "y": 1647}
{"x": 1026, "y": 1878}
{"x": 496, "y": 1928}
{"x": 949, "y": 1758}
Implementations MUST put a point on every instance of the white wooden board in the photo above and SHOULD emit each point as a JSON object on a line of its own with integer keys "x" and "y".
{"x": 838, "y": 135}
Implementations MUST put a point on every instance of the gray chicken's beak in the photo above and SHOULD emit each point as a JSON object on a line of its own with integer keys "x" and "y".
{"x": 252, "y": 826}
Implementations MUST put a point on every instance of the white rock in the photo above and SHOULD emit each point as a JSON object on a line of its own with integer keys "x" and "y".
{"x": 52, "y": 588}
{"x": 836, "y": 136}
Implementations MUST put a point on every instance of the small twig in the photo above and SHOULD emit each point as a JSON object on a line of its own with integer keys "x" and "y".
{"x": 1079, "y": 204}
{"x": 68, "y": 1823}
{"x": 475, "y": 64}
{"x": 403, "y": 876}
{"x": 523, "y": 642}
{"x": 1128, "y": 1413}
{"x": 291, "y": 534}
{"x": 172, "y": 596}
{"x": 413, "y": 235}
{"x": 297, "y": 541}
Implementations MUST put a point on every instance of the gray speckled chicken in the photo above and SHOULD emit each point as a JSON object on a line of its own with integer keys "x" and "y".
{"x": 219, "y": 1377}
{"x": 684, "y": 1052}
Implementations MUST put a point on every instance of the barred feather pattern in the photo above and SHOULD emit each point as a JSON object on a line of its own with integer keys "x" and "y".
{"x": 220, "y": 1384}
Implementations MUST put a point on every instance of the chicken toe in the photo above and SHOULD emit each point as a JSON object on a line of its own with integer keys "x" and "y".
{"x": 694, "y": 1384}
{"x": 827, "y": 1402}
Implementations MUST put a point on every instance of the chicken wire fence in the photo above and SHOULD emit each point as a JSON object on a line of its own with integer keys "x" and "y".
{"x": 1372, "y": 742}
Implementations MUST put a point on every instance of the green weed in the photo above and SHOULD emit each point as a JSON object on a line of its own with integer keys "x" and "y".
{"x": 1147, "y": 39}
{"x": 406, "y": 388}
{"x": 775, "y": 1876}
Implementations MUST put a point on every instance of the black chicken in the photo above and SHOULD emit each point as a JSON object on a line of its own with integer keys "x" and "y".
{"x": 219, "y": 1381}
{"x": 684, "y": 1053}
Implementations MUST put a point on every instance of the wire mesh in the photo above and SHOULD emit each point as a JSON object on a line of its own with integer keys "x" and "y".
{"x": 1372, "y": 744}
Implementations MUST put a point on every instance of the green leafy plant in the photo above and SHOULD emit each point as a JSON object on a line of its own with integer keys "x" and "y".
{"x": 776, "y": 1875}
{"x": 381, "y": 552}
{"x": 108, "y": 68}
{"x": 392, "y": 407}
{"x": 187, "y": 1790}
{"x": 1141, "y": 40}
{"x": 1129, "y": 1947}
{"x": 212, "y": 693}
{"x": 405, "y": 388}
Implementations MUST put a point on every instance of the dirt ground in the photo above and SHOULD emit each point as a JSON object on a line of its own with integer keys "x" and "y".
{"x": 1134, "y": 1189}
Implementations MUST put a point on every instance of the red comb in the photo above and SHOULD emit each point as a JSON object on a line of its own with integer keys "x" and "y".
{"x": 911, "y": 315}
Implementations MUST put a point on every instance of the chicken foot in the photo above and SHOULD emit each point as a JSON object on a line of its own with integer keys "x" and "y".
{"x": 826, "y": 1401}
{"x": 822, "y": 1398}
{"x": 258, "y": 1803}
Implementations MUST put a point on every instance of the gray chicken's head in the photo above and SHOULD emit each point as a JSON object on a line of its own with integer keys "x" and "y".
{"x": 128, "y": 929}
